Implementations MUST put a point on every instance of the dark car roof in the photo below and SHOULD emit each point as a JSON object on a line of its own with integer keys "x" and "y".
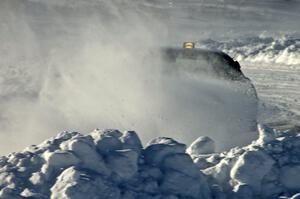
{"x": 219, "y": 63}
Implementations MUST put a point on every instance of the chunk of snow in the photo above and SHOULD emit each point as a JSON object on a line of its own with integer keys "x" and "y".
{"x": 9, "y": 193}
{"x": 243, "y": 191}
{"x": 290, "y": 176}
{"x": 296, "y": 196}
{"x": 250, "y": 169}
{"x": 181, "y": 184}
{"x": 178, "y": 183}
{"x": 266, "y": 135}
{"x": 181, "y": 162}
{"x": 84, "y": 149}
{"x": 131, "y": 140}
{"x": 71, "y": 166}
{"x": 202, "y": 145}
{"x": 60, "y": 159}
{"x": 37, "y": 178}
{"x": 150, "y": 172}
{"x": 77, "y": 185}
{"x": 124, "y": 163}
{"x": 107, "y": 141}
{"x": 159, "y": 148}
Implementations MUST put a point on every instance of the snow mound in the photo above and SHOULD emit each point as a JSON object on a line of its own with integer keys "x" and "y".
{"x": 110, "y": 164}
{"x": 279, "y": 50}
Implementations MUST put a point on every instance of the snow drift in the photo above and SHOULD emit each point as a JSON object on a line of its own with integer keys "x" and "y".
{"x": 271, "y": 50}
{"x": 110, "y": 164}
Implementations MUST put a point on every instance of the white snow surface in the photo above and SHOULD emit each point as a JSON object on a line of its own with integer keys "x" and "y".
{"x": 272, "y": 62}
{"x": 110, "y": 164}
{"x": 283, "y": 49}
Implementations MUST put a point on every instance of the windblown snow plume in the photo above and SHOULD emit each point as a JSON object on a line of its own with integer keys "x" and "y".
{"x": 113, "y": 165}
{"x": 78, "y": 64}
{"x": 272, "y": 50}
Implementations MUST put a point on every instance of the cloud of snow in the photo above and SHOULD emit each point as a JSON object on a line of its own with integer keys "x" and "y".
{"x": 80, "y": 67}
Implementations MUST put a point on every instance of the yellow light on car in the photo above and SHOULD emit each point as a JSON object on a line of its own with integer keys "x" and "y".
{"x": 188, "y": 45}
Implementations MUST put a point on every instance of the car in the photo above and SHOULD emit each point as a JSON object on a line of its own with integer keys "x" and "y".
{"x": 207, "y": 94}
{"x": 204, "y": 61}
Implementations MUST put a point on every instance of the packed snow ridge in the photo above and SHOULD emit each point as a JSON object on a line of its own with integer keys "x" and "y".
{"x": 113, "y": 165}
{"x": 279, "y": 50}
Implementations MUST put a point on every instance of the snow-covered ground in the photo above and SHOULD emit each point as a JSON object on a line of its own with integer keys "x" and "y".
{"x": 272, "y": 63}
{"x": 278, "y": 89}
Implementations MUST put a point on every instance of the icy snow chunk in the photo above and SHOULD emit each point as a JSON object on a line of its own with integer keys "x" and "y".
{"x": 206, "y": 160}
{"x": 170, "y": 197}
{"x": 150, "y": 186}
{"x": 263, "y": 169}
{"x": 296, "y": 196}
{"x": 271, "y": 184}
{"x": 202, "y": 162}
{"x": 53, "y": 143}
{"x": 47, "y": 173}
{"x": 181, "y": 162}
{"x": 150, "y": 172}
{"x": 159, "y": 148}
{"x": 202, "y": 145}
{"x": 37, "y": 178}
{"x": 9, "y": 193}
{"x": 3, "y": 161}
{"x": 66, "y": 135}
{"x": 108, "y": 140}
{"x": 147, "y": 196}
{"x": 60, "y": 159}
{"x": 131, "y": 140}
{"x": 181, "y": 184}
{"x": 6, "y": 178}
{"x": 243, "y": 191}
{"x": 290, "y": 177}
{"x": 76, "y": 184}
{"x": 296, "y": 142}
{"x": 128, "y": 195}
{"x": 250, "y": 169}
{"x": 217, "y": 192}
{"x": 220, "y": 173}
{"x": 163, "y": 140}
{"x": 30, "y": 194}
{"x": 85, "y": 150}
{"x": 124, "y": 163}
{"x": 266, "y": 135}
{"x": 181, "y": 167}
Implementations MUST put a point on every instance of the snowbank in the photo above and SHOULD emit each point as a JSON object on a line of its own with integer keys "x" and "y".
{"x": 114, "y": 165}
{"x": 282, "y": 50}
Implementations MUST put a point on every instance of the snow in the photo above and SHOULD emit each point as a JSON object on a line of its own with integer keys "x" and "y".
{"x": 260, "y": 49}
{"x": 203, "y": 145}
{"x": 131, "y": 140}
{"x": 84, "y": 148}
{"x": 161, "y": 147}
{"x": 107, "y": 141}
{"x": 71, "y": 166}
{"x": 60, "y": 159}
{"x": 114, "y": 164}
{"x": 272, "y": 63}
{"x": 289, "y": 176}
{"x": 258, "y": 162}
{"x": 73, "y": 183}
{"x": 124, "y": 163}
{"x": 296, "y": 196}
